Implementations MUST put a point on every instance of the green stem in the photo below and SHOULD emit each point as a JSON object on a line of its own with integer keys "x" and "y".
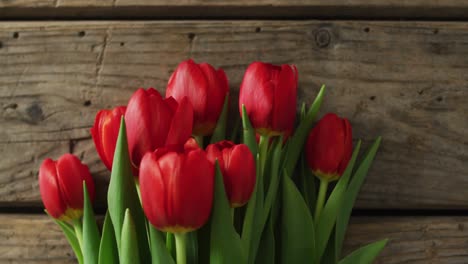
{"x": 321, "y": 198}
{"x": 199, "y": 140}
{"x": 181, "y": 241}
{"x": 137, "y": 186}
{"x": 263, "y": 146}
{"x": 78, "y": 231}
{"x": 233, "y": 214}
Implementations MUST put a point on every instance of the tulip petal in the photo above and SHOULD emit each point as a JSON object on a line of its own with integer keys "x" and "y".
{"x": 50, "y": 190}
{"x": 239, "y": 177}
{"x": 70, "y": 174}
{"x": 148, "y": 119}
{"x": 189, "y": 80}
{"x": 217, "y": 90}
{"x": 192, "y": 206}
{"x": 325, "y": 148}
{"x": 256, "y": 93}
{"x": 181, "y": 126}
{"x": 348, "y": 146}
{"x": 96, "y": 135}
{"x": 284, "y": 109}
{"x": 153, "y": 191}
{"x": 105, "y": 132}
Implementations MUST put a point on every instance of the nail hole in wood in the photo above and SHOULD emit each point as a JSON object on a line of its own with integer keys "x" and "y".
{"x": 11, "y": 106}
{"x": 81, "y": 34}
{"x": 122, "y": 44}
{"x": 258, "y": 29}
{"x": 435, "y": 31}
{"x": 439, "y": 99}
{"x": 1, "y": 44}
{"x": 191, "y": 35}
{"x": 372, "y": 98}
{"x": 15, "y": 35}
{"x": 87, "y": 103}
{"x": 366, "y": 29}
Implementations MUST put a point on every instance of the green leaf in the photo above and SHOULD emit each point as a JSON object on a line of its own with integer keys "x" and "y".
{"x": 307, "y": 185}
{"x": 248, "y": 133}
{"x": 225, "y": 244}
{"x": 108, "y": 252}
{"x": 160, "y": 254}
{"x": 327, "y": 218}
{"x": 253, "y": 220}
{"x": 351, "y": 194}
{"x": 274, "y": 178}
{"x": 129, "y": 242}
{"x": 69, "y": 232}
{"x": 297, "y": 227}
{"x": 122, "y": 194}
{"x": 298, "y": 139}
{"x": 366, "y": 254}
{"x": 192, "y": 248}
{"x": 90, "y": 231}
{"x": 170, "y": 244}
{"x": 220, "y": 130}
{"x": 303, "y": 112}
{"x": 266, "y": 249}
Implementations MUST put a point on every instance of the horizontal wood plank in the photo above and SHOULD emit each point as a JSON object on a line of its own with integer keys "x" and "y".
{"x": 417, "y": 240}
{"x": 405, "y": 81}
{"x": 448, "y": 9}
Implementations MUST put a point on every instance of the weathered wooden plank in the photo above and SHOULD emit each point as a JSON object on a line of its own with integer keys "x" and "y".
{"x": 450, "y": 9}
{"x": 405, "y": 81}
{"x": 417, "y": 240}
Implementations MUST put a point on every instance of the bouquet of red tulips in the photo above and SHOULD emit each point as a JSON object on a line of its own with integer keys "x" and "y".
{"x": 182, "y": 191}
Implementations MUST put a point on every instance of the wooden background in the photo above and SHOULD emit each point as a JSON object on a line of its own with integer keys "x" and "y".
{"x": 395, "y": 68}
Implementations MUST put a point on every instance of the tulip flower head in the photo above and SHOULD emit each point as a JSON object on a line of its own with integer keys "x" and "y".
{"x": 268, "y": 93}
{"x": 61, "y": 186}
{"x": 105, "y": 132}
{"x": 153, "y": 122}
{"x": 238, "y": 167}
{"x": 329, "y": 147}
{"x": 177, "y": 187}
{"x": 205, "y": 87}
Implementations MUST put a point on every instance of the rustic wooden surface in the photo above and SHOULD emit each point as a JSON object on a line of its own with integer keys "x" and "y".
{"x": 405, "y": 81}
{"x": 395, "y": 9}
{"x": 36, "y": 239}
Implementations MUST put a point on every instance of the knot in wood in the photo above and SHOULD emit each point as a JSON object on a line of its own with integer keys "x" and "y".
{"x": 322, "y": 38}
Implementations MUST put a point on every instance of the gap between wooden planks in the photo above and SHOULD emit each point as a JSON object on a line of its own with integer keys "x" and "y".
{"x": 405, "y": 81}
{"x": 296, "y": 9}
{"x": 34, "y": 239}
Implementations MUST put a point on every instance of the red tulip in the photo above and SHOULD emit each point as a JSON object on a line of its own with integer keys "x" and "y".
{"x": 105, "y": 132}
{"x": 61, "y": 186}
{"x": 268, "y": 93}
{"x": 206, "y": 89}
{"x": 238, "y": 167}
{"x": 177, "y": 188}
{"x": 329, "y": 147}
{"x": 154, "y": 122}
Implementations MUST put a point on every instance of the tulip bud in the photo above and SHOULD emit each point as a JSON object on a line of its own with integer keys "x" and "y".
{"x": 268, "y": 93}
{"x": 154, "y": 122}
{"x": 205, "y": 87}
{"x": 61, "y": 186}
{"x": 238, "y": 167}
{"x": 329, "y": 147}
{"x": 177, "y": 188}
{"x": 105, "y": 132}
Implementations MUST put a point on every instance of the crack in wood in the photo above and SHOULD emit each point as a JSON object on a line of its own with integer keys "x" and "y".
{"x": 101, "y": 58}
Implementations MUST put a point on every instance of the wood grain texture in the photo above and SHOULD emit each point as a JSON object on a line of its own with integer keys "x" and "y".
{"x": 450, "y": 9}
{"x": 32, "y": 239}
{"x": 405, "y": 81}
{"x": 416, "y": 240}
